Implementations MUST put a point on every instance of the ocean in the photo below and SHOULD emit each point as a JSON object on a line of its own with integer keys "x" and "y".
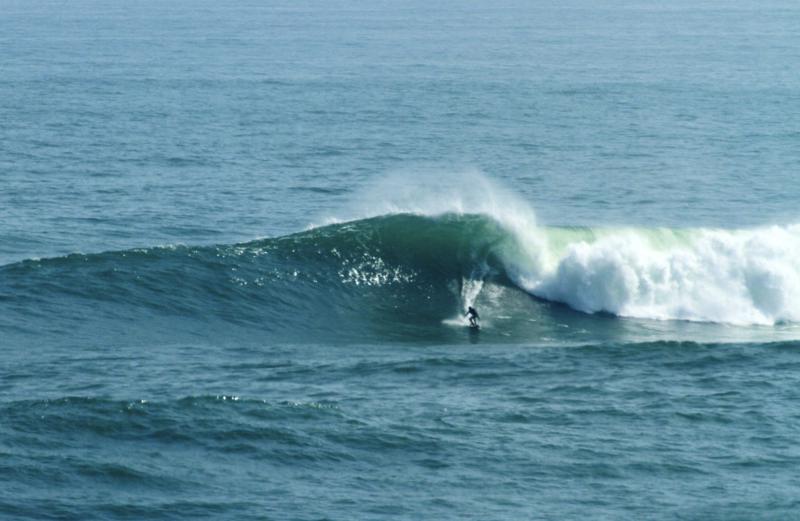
{"x": 237, "y": 242}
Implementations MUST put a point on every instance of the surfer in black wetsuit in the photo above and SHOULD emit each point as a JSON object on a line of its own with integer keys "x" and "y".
{"x": 473, "y": 317}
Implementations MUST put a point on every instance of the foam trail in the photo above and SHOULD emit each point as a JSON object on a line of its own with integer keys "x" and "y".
{"x": 470, "y": 288}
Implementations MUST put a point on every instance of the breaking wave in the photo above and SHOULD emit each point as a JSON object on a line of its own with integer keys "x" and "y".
{"x": 415, "y": 271}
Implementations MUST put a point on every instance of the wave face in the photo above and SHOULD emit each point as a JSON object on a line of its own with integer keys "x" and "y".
{"x": 411, "y": 275}
{"x": 327, "y": 282}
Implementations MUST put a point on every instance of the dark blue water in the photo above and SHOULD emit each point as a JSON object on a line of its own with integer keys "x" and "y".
{"x": 237, "y": 241}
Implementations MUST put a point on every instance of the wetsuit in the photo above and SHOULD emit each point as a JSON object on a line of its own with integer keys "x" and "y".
{"x": 473, "y": 316}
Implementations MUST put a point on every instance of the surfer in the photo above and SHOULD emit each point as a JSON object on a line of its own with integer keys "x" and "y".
{"x": 473, "y": 317}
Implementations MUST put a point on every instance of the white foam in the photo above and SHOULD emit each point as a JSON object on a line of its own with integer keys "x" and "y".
{"x": 732, "y": 276}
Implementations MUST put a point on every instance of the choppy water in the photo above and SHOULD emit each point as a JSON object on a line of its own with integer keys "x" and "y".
{"x": 236, "y": 242}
